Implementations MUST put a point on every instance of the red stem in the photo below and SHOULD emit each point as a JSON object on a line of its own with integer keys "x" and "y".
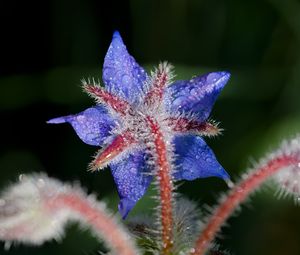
{"x": 165, "y": 185}
{"x": 239, "y": 193}
{"x": 104, "y": 225}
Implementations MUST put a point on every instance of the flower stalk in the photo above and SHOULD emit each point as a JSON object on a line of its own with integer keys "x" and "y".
{"x": 237, "y": 195}
{"x": 37, "y": 208}
{"x": 102, "y": 224}
{"x": 165, "y": 185}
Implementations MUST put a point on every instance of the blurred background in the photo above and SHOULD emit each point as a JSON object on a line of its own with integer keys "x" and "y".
{"x": 47, "y": 47}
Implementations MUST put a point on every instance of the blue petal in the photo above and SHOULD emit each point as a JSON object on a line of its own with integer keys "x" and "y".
{"x": 197, "y": 95}
{"x": 132, "y": 178}
{"x": 121, "y": 73}
{"x": 195, "y": 159}
{"x": 92, "y": 125}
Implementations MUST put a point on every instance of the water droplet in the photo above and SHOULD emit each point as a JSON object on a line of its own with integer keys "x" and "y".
{"x": 208, "y": 160}
{"x": 203, "y": 154}
{"x": 107, "y": 73}
{"x": 194, "y": 92}
{"x": 126, "y": 79}
{"x": 132, "y": 170}
{"x": 212, "y": 77}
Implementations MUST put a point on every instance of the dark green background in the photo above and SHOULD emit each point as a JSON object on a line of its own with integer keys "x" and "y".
{"x": 47, "y": 47}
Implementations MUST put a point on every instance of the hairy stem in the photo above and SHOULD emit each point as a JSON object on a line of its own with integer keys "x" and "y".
{"x": 237, "y": 195}
{"x": 102, "y": 224}
{"x": 165, "y": 185}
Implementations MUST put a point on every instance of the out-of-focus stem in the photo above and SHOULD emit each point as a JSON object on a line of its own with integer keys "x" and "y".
{"x": 238, "y": 194}
{"x": 102, "y": 224}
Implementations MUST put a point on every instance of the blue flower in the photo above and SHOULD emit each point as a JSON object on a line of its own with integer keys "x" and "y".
{"x": 120, "y": 123}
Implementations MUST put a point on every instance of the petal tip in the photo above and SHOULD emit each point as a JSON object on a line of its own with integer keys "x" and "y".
{"x": 224, "y": 175}
{"x": 117, "y": 38}
{"x": 116, "y": 33}
{"x": 58, "y": 120}
{"x": 225, "y": 75}
{"x": 221, "y": 173}
{"x": 125, "y": 205}
{"x": 218, "y": 78}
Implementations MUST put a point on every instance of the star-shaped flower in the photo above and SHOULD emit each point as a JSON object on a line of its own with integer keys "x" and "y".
{"x": 137, "y": 114}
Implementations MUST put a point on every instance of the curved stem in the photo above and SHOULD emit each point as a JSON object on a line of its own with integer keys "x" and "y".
{"x": 165, "y": 185}
{"x": 239, "y": 193}
{"x": 102, "y": 223}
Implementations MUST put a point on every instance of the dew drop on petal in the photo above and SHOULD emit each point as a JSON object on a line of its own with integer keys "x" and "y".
{"x": 126, "y": 79}
{"x": 132, "y": 170}
{"x": 208, "y": 160}
{"x": 212, "y": 77}
{"x": 194, "y": 92}
{"x": 107, "y": 73}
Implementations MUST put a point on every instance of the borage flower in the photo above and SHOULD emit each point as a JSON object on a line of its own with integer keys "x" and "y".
{"x": 144, "y": 123}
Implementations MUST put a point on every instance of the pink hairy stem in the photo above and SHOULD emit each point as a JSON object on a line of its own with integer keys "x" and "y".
{"x": 103, "y": 224}
{"x": 165, "y": 185}
{"x": 237, "y": 195}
